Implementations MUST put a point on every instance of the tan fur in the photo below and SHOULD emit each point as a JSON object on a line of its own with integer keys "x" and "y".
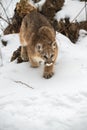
{"x": 37, "y": 38}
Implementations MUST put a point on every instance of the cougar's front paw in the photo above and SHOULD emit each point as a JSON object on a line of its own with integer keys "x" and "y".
{"x": 47, "y": 75}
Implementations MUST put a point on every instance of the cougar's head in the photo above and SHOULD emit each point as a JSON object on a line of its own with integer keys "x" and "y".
{"x": 47, "y": 52}
{"x": 46, "y": 46}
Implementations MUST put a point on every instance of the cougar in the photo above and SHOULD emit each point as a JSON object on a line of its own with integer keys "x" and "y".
{"x": 38, "y": 43}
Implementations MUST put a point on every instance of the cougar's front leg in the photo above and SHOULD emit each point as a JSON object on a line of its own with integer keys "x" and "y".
{"x": 24, "y": 54}
{"x": 33, "y": 62}
{"x": 48, "y": 71}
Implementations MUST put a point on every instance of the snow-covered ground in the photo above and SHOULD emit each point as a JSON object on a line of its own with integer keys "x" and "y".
{"x": 30, "y": 102}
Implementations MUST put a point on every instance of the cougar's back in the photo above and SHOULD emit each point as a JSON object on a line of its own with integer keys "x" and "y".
{"x": 31, "y": 25}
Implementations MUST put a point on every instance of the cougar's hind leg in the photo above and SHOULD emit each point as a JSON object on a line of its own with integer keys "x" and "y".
{"x": 24, "y": 54}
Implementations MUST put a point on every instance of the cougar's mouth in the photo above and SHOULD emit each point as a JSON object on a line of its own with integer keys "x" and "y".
{"x": 48, "y": 64}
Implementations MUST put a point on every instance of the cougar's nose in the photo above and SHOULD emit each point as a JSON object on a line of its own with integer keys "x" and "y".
{"x": 49, "y": 61}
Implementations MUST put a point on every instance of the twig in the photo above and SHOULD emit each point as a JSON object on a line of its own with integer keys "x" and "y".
{"x": 20, "y": 82}
{"x": 85, "y": 10}
{"x": 73, "y": 19}
{"x": 1, "y": 64}
{"x": 5, "y": 12}
{"x": 79, "y": 13}
{"x": 1, "y": 27}
{"x": 9, "y": 5}
{"x": 4, "y": 19}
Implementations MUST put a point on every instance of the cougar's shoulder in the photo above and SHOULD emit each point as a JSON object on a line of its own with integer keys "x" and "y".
{"x": 34, "y": 26}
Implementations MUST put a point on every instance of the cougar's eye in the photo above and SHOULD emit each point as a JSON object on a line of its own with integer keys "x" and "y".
{"x": 45, "y": 56}
{"x": 52, "y": 55}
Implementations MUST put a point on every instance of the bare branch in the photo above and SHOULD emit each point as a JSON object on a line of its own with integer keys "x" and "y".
{"x": 1, "y": 59}
{"x": 4, "y": 19}
{"x": 86, "y": 10}
{"x": 9, "y": 5}
{"x": 1, "y": 27}
{"x": 20, "y": 82}
{"x": 5, "y": 12}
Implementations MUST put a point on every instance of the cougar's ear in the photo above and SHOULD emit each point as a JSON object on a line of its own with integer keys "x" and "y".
{"x": 48, "y": 32}
{"x": 38, "y": 47}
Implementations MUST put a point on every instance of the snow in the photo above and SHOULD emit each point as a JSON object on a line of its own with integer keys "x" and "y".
{"x": 30, "y": 102}
{"x": 71, "y": 9}
{"x": 56, "y": 103}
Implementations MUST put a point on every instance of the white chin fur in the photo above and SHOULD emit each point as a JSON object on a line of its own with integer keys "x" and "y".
{"x": 47, "y": 64}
